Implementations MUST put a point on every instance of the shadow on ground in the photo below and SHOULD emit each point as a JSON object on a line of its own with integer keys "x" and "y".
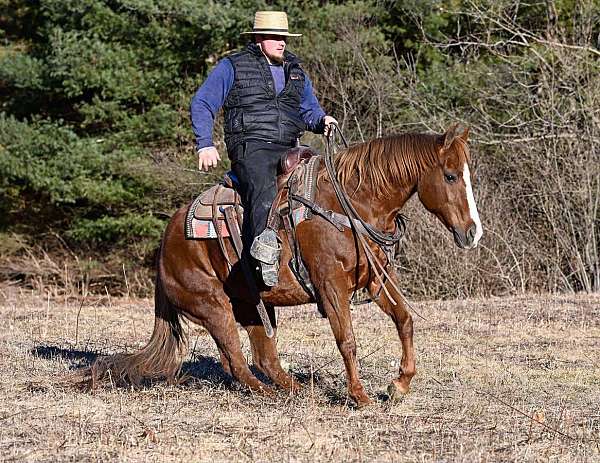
{"x": 205, "y": 369}
{"x": 77, "y": 358}
{"x": 200, "y": 369}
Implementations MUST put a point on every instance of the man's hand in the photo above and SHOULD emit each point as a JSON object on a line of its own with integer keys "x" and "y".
{"x": 328, "y": 120}
{"x": 207, "y": 158}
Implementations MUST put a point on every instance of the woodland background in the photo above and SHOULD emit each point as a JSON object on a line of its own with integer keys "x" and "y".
{"x": 96, "y": 148}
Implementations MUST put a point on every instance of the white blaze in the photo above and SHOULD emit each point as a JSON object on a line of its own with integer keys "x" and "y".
{"x": 472, "y": 207}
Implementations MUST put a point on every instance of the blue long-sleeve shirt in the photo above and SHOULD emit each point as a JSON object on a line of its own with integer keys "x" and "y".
{"x": 210, "y": 97}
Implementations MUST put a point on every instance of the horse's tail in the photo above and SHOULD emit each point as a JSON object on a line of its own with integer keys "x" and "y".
{"x": 160, "y": 359}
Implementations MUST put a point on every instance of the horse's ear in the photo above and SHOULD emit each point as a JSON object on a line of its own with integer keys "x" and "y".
{"x": 449, "y": 136}
{"x": 464, "y": 135}
{"x": 454, "y": 131}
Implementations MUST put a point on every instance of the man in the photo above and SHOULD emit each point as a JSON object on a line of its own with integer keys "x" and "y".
{"x": 268, "y": 103}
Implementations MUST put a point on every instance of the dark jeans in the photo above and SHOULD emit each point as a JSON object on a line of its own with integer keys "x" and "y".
{"x": 255, "y": 165}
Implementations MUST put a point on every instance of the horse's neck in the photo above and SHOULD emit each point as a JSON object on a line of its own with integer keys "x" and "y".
{"x": 381, "y": 211}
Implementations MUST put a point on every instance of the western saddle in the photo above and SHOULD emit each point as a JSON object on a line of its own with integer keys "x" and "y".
{"x": 217, "y": 213}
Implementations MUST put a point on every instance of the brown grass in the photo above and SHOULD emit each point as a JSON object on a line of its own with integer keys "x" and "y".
{"x": 485, "y": 367}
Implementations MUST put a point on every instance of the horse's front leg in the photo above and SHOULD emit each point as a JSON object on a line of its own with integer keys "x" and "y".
{"x": 334, "y": 301}
{"x": 398, "y": 312}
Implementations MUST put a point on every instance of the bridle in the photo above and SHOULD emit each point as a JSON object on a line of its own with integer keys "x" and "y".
{"x": 382, "y": 238}
{"x": 386, "y": 241}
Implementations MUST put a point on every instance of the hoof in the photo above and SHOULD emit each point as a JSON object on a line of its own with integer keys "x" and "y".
{"x": 363, "y": 404}
{"x": 396, "y": 393}
{"x": 359, "y": 396}
{"x": 286, "y": 383}
{"x": 296, "y": 388}
{"x": 268, "y": 391}
{"x": 292, "y": 387}
{"x": 261, "y": 389}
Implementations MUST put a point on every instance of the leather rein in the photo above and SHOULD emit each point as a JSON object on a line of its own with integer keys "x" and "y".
{"x": 382, "y": 238}
{"x": 385, "y": 240}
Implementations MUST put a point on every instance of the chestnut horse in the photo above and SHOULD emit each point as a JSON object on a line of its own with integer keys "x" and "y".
{"x": 193, "y": 279}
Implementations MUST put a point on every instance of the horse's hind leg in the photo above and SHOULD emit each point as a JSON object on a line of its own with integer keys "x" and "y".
{"x": 224, "y": 361}
{"x": 264, "y": 349}
{"x": 223, "y": 329}
{"x": 264, "y": 355}
{"x": 404, "y": 325}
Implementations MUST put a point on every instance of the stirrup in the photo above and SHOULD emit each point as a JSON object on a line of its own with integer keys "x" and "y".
{"x": 265, "y": 247}
{"x": 270, "y": 273}
{"x": 266, "y": 250}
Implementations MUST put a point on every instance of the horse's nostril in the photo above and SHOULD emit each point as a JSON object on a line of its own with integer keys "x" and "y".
{"x": 471, "y": 233}
{"x": 458, "y": 237}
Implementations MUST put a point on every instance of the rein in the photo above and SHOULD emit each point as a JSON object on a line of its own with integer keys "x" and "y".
{"x": 382, "y": 238}
{"x": 385, "y": 240}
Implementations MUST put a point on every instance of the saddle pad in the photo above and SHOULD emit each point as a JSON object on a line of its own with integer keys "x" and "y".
{"x": 300, "y": 214}
{"x": 205, "y": 229}
{"x": 199, "y": 221}
{"x": 202, "y": 229}
{"x": 309, "y": 188}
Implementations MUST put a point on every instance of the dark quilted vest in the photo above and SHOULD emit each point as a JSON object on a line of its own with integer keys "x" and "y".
{"x": 253, "y": 111}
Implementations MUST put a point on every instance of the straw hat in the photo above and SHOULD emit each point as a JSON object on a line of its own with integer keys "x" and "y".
{"x": 271, "y": 22}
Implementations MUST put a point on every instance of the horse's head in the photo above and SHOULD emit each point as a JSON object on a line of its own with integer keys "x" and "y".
{"x": 446, "y": 189}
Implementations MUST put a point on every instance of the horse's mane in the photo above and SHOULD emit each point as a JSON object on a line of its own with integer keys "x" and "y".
{"x": 384, "y": 163}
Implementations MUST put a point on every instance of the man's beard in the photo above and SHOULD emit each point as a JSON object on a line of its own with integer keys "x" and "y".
{"x": 276, "y": 59}
{"x": 272, "y": 59}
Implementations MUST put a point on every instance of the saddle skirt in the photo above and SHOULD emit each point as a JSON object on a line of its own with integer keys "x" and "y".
{"x": 205, "y": 218}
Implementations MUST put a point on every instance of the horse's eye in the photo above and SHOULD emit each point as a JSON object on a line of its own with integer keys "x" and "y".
{"x": 450, "y": 178}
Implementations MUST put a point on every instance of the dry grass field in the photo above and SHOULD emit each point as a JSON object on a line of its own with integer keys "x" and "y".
{"x": 511, "y": 379}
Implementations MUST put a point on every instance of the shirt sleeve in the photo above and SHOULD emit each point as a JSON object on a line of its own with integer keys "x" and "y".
{"x": 310, "y": 109}
{"x": 208, "y": 100}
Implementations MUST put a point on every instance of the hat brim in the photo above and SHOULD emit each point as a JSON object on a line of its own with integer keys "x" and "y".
{"x": 273, "y": 32}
